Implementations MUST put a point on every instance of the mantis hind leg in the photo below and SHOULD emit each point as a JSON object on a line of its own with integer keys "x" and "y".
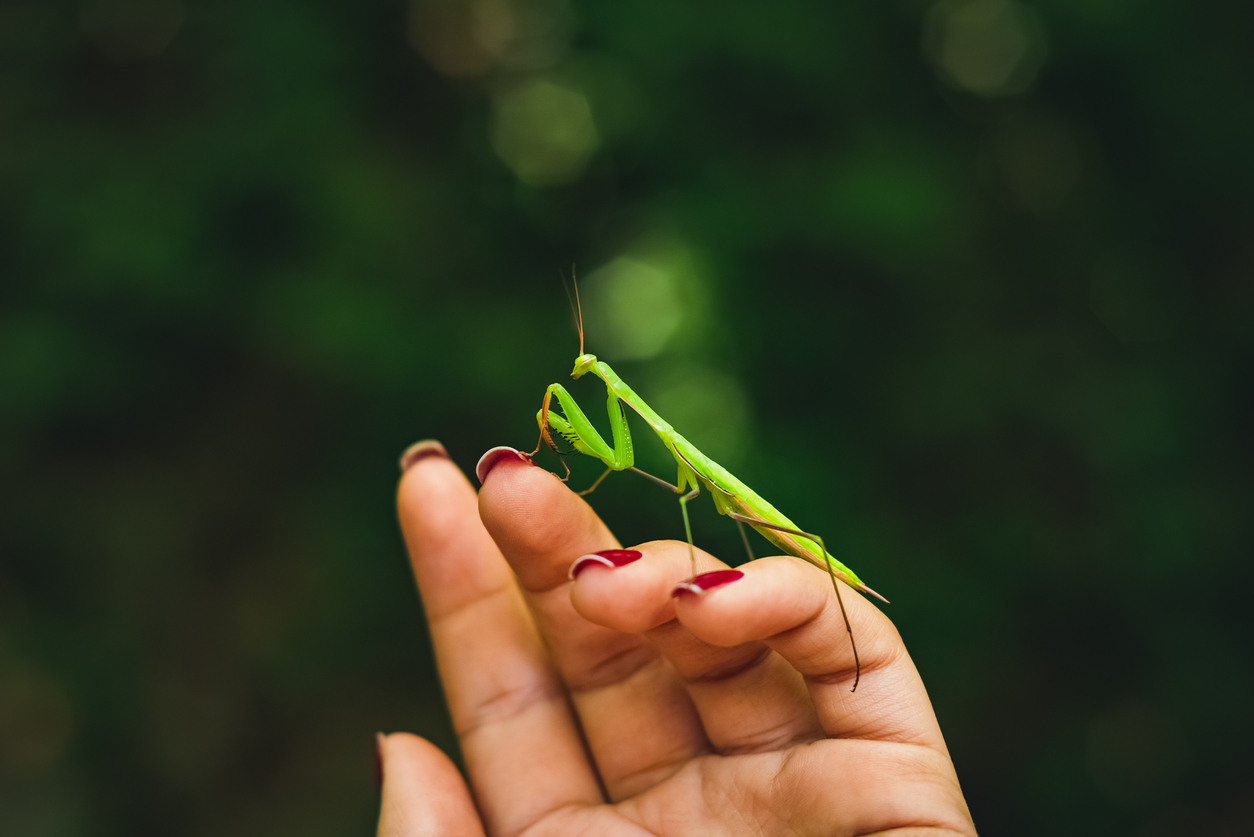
{"x": 831, "y": 572}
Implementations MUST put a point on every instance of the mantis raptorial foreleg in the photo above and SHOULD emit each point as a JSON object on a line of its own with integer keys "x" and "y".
{"x": 576, "y": 429}
{"x": 827, "y": 564}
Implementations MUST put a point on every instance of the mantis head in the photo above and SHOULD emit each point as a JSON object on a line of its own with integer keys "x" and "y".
{"x": 582, "y": 364}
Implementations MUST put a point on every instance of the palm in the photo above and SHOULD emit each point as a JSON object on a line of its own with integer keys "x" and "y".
{"x": 827, "y": 787}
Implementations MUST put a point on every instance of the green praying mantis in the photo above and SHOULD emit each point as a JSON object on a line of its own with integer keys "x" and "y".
{"x": 696, "y": 470}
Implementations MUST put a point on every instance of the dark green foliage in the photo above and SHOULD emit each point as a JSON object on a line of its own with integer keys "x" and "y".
{"x": 994, "y": 342}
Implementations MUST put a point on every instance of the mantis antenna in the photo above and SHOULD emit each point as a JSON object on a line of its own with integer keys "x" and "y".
{"x": 575, "y": 307}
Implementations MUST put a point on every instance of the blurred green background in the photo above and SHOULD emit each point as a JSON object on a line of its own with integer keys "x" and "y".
{"x": 965, "y": 286}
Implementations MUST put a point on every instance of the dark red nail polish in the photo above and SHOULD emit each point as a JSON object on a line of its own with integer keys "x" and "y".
{"x": 606, "y": 557}
{"x": 496, "y": 456}
{"x": 421, "y": 450}
{"x": 378, "y": 759}
{"x": 707, "y": 581}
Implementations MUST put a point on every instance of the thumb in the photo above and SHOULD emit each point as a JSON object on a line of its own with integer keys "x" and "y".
{"x": 423, "y": 794}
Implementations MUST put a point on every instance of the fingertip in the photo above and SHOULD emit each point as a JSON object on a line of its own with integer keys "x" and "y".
{"x": 421, "y": 450}
{"x": 433, "y": 494}
{"x": 539, "y": 524}
{"x": 493, "y": 457}
{"x": 631, "y": 595}
{"x": 756, "y": 601}
{"x": 423, "y": 792}
{"x": 425, "y": 468}
{"x": 512, "y": 485}
{"x": 451, "y": 554}
{"x": 611, "y": 558}
{"x": 705, "y": 582}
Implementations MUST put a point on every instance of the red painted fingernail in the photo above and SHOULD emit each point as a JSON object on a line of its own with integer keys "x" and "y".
{"x": 606, "y": 557}
{"x": 707, "y": 581}
{"x": 421, "y": 450}
{"x": 495, "y": 457}
{"x": 378, "y": 758}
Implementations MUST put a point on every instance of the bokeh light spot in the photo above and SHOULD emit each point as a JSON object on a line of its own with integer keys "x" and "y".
{"x": 544, "y": 132}
{"x": 474, "y": 37}
{"x": 461, "y": 38}
{"x": 986, "y": 47}
{"x": 1037, "y": 161}
{"x": 707, "y": 406}
{"x": 633, "y": 308}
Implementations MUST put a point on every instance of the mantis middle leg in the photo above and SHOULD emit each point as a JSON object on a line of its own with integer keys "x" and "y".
{"x": 683, "y": 508}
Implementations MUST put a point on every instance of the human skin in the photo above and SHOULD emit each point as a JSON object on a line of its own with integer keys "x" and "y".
{"x": 611, "y": 704}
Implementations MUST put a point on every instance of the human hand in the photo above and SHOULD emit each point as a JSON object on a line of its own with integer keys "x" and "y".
{"x": 607, "y": 705}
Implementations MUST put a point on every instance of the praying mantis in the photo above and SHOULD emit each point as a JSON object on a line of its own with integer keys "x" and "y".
{"x": 696, "y": 470}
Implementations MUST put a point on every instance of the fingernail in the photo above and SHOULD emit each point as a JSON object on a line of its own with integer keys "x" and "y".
{"x": 378, "y": 758}
{"x": 706, "y": 581}
{"x": 421, "y": 450}
{"x": 495, "y": 457}
{"x": 606, "y": 557}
